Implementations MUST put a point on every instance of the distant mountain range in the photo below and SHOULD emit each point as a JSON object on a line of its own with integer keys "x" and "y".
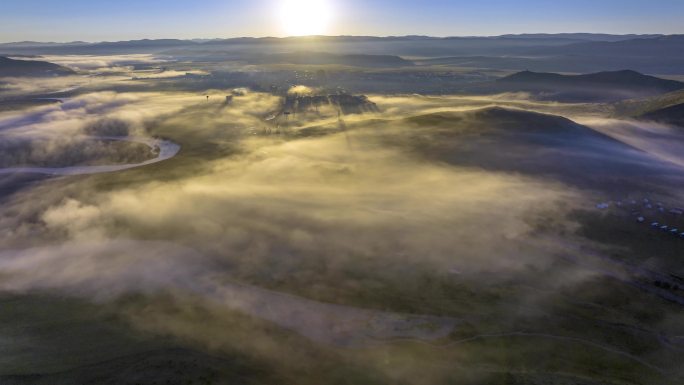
{"x": 40, "y": 44}
{"x": 658, "y": 45}
{"x": 581, "y": 36}
{"x": 427, "y": 45}
{"x": 568, "y": 52}
{"x": 578, "y": 37}
{"x": 11, "y": 67}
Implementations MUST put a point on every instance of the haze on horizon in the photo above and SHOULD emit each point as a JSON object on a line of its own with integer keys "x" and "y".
{"x": 81, "y": 20}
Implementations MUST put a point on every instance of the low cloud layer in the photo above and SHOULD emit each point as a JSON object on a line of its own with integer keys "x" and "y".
{"x": 315, "y": 233}
{"x": 284, "y": 205}
{"x": 107, "y": 63}
{"x": 662, "y": 141}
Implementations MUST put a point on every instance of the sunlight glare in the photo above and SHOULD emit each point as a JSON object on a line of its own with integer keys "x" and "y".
{"x": 305, "y": 17}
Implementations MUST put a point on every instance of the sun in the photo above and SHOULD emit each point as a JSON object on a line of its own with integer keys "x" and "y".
{"x": 305, "y": 17}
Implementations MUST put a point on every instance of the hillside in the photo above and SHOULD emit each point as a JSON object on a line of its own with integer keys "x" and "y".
{"x": 596, "y": 87}
{"x": 508, "y": 140}
{"x": 665, "y": 108}
{"x": 489, "y": 120}
{"x": 502, "y": 122}
{"x": 626, "y": 80}
{"x": 11, "y": 68}
{"x": 670, "y": 115}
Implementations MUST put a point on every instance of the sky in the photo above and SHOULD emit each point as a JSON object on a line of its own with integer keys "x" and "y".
{"x": 89, "y": 20}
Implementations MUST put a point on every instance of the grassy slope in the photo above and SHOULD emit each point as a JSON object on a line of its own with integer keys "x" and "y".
{"x": 10, "y": 68}
{"x": 534, "y": 144}
{"x": 638, "y": 108}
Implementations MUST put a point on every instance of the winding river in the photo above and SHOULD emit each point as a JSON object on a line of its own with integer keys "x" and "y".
{"x": 166, "y": 150}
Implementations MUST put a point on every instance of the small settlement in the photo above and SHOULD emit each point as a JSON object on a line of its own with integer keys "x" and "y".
{"x": 668, "y": 219}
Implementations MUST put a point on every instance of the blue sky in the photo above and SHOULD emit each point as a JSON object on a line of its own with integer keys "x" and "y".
{"x": 90, "y": 20}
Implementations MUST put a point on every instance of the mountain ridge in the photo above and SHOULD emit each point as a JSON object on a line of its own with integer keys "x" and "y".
{"x": 588, "y": 37}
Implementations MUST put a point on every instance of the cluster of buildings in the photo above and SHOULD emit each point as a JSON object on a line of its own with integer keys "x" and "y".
{"x": 669, "y": 220}
{"x": 293, "y": 104}
{"x": 672, "y": 230}
{"x": 345, "y": 103}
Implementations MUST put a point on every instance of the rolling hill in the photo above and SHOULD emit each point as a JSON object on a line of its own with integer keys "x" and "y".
{"x": 670, "y": 115}
{"x": 504, "y": 122}
{"x": 15, "y": 68}
{"x": 524, "y": 142}
{"x": 668, "y": 108}
{"x": 601, "y": 86}
{"x": 625, "y": 79}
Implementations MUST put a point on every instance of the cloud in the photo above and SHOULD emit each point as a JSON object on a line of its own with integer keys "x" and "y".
{"x": 75, "y": 218}
{"x": 660, "y": 140}
{"x": 19, "y": 87}
{"x": 99, "y": 63}
{"x": 300, "y": 90}
{"x": 330, "y": 198}
{"x": 108, "y": 127}
{"x": 70, "y": 116}
{"x": 80, "y": 130}
{"x": 319, "y": 216}
{"x": 163, "y": 74}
